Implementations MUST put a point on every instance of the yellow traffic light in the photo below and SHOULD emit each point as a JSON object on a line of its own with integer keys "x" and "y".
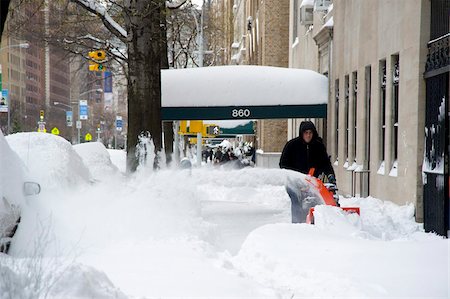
{"x": 96, "y": 67}
{"x": 98, "y": 55}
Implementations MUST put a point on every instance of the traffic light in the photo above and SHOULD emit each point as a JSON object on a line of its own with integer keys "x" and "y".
{"x": 213, "y": 130}
{"x": 96, "y": 67}
{"x": 98, "y": 58}
{"x": 98, "y": 55}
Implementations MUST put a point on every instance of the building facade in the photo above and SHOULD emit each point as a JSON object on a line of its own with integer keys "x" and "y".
{"x": 260, "y": 36}
{"x": 377, "y": 91}
{"x": 375, "y": 54}
{"x": 35, "y": 76}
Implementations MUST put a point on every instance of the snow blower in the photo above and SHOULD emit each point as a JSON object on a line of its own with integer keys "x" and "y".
{"x": 328, "y": 193}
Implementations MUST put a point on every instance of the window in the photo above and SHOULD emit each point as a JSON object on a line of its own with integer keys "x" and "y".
{"x": 355, "y": 109}
{"x": 347, "y": 115}
{"x": 395, "y": 102}
{"x": 336, "y": 120}
{"x": 382, "y": 108}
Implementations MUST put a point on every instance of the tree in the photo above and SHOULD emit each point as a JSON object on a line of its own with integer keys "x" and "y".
{"x": 144, "y": 37}
{"x": 134, "y": 34}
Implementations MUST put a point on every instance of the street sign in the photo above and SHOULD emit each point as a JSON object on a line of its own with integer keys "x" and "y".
{"x": 83, "y": 109}
{"x": 55, "y": 131}
{"x": 4, "y": 101}
{"x": 119, "y": 123}
{"x": 88, "y": 137}
{"x": 41, "y": 127}
{"x": 69, "y": 118}
{"x": 78, "y": 124}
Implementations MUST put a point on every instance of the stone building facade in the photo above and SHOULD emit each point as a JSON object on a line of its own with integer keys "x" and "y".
{"x": 374, "y": 53}
{"x": 378, "y": 90}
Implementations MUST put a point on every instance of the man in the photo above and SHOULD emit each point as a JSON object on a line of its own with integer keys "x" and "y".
{"x": 301, "y": 154}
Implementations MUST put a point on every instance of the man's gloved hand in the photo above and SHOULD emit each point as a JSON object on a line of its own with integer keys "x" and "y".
{"x": 331, "y": 179}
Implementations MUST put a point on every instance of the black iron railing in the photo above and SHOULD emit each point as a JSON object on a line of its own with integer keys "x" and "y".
{"x": 438, "y": 53}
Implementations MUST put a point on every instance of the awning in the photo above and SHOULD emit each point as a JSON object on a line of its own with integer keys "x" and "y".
{"x": 243, "y": 92}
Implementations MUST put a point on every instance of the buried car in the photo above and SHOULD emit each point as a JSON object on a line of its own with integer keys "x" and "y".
{"x": 14, "y": 188}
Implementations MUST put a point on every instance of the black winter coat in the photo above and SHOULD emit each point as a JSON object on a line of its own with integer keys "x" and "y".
{"x": 299, "y": 156}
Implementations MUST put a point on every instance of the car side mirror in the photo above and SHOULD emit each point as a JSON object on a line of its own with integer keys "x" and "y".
{"x": 31, "y": 188}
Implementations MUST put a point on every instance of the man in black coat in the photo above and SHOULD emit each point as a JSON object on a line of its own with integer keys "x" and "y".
{"x": 301, "y": 154}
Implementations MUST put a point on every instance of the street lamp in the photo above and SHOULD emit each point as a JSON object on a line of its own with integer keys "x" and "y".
{"x": 86, "y": 92}
{"x": 22, "y": 46}
{"x": 56, "y": 103}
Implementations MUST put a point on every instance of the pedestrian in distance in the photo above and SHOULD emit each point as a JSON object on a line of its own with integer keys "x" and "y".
{"x": 301, "y": 154}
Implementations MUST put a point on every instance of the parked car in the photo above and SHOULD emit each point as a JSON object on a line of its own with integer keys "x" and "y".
{"x": 14, "y": 188}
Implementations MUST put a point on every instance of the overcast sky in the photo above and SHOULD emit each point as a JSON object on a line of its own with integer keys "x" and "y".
{"x": 198, "y": 2}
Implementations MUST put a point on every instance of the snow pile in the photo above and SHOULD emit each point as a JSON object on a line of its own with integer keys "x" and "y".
{"x": 119, "y": 159}
{"x": 12, "y": 174}
{"x": 50, "y": 159}
{"x": 97, "y": 159}
{"x": 39, "y": 277}
{"x": 310, "y": 261}
{"x": 384, "y": 219}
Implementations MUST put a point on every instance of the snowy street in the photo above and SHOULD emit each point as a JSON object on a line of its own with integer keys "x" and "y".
{"x": 94, "y": 232}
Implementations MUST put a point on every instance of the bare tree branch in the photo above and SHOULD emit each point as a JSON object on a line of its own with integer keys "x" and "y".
{"x": 174, "y": 5}
{"x": 107, "y": 20}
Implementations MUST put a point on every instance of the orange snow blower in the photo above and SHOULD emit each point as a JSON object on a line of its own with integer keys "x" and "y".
{"x": 328, "y": 193}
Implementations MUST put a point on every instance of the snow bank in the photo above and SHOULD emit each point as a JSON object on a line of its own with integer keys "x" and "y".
{"x": 97, "y": 159}
{"x": 310, "y": 261}
{"x": 384, "y": 219}
{"x": 349, "y": 256}
{"x": 50, "y": 159}
{"x": 12, "y": 175}
{"x": 51, "y": 278}
{"x": 119, "y": 159}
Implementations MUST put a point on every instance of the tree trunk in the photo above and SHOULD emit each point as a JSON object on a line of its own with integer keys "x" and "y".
{"x": 143, "y": 22}
{"x": 167, "y": 126}
{"x": 168, "y": 141}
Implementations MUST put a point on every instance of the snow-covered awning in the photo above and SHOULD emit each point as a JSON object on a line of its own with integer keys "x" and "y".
{"x": 243, "y": 92}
